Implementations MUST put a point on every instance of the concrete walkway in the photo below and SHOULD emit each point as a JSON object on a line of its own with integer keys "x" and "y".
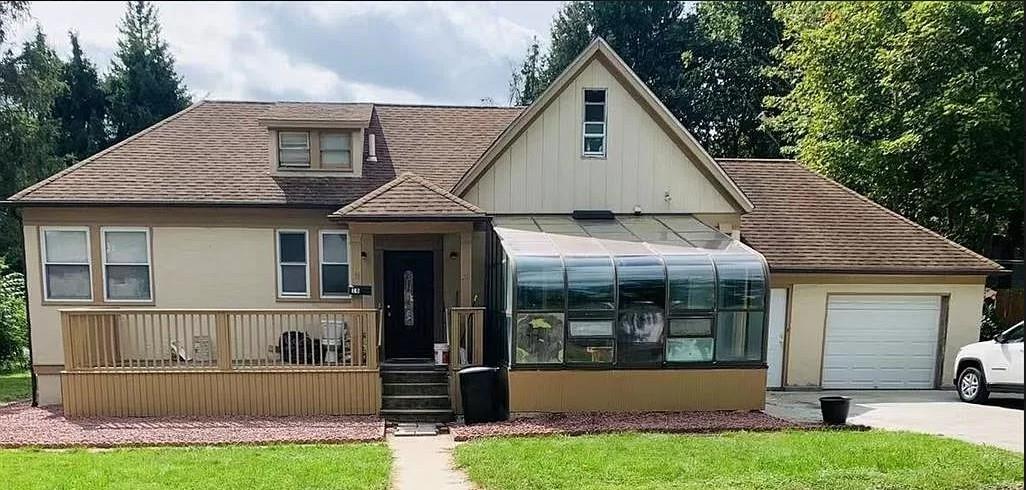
{"x": 423, "y": 462}
{"x": 999, "y": 422}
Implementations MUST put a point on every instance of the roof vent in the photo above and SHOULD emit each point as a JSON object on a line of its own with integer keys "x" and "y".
{"x": 592, "y": 214}
{"x": 372, "y": 149}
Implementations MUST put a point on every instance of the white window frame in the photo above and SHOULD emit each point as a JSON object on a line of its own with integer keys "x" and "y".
{"x": 321, "y": 263}
{"x": 44, "y": 262}
{"x": 104, "y": 264}
{"x": 584, "y": 122}
{"x": 309, "y": 152}
{"x": 279, "y": 263}
{"x": 348, "y": 135}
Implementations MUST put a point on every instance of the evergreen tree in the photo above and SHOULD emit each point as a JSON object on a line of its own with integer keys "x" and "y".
{"x": 143, "y": 87}
{"x": 11, "y": 11}
{"x": 526, "y": 84}
{"x": 29, "y": 133}
{"x": 82, "y": 108}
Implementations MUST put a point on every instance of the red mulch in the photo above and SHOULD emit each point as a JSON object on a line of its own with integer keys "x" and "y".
{"x": 606, "y": 422}
{"x": 24, "y": 426}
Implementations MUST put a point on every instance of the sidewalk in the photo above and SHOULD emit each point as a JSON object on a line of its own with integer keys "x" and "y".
{"x": 425, "y": 462}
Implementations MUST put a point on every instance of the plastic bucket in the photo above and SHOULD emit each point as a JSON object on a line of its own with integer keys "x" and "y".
{"x": 835, "y": 409}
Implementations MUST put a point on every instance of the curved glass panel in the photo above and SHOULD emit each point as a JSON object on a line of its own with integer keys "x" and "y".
{"x": 539, "y": 283}
{"x": 742, "y": 282}
{"x": 589, "y": 283}
{"x": 640, "y": 324}
{"x": 692, "y": 282}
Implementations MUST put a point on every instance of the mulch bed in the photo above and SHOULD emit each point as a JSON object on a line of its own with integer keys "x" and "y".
{"x": 608, "y": 422}
{"x": 24, "y": 426}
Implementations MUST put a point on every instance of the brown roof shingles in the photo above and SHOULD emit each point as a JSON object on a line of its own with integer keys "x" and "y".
{"x": 804, "y": 222}
{"x": 410, "y": 195}
{"x": 319, "y": 111}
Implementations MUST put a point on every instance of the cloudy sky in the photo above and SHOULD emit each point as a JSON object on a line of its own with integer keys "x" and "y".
{"x": 434, "y": 52}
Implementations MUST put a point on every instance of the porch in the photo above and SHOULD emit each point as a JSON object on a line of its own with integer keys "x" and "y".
{"x": 210, "y": 362}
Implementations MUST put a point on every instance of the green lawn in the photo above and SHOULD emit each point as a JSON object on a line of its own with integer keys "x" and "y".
{"x": 14, "y": 386}
{"x": 346, "y": 466}
{"x": 789, "y": 460}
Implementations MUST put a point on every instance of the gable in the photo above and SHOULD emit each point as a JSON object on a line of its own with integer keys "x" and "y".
{"x": 409, "y": 195}
{"x": 651, "y": 162}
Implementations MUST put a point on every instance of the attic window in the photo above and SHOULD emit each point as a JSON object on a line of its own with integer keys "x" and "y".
{"x": 336, "y": 150}
{"x": 294, "y": 149}
{"x": 594, "y": 122}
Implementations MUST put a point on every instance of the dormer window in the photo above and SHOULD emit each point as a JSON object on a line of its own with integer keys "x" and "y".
{"x": 336, "y": 150}
{"x": 594, "y": 122}
{"x": 294, "y": 148}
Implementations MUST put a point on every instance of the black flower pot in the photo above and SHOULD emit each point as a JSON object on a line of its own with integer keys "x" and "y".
{"x": 835, "y": 409}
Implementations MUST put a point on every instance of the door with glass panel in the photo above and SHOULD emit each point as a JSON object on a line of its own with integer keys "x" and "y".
{"x": 409, "y": 301}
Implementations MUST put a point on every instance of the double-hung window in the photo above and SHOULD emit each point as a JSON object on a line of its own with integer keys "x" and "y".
{"x": 594, "y": 122}
{"x": 293, "y": 149}
{"x": 334, "y": 252}
{"x": 66, "y": 265}
{"x": 336, "y": 150}
{"x": 293, "y": 264}
{"x": 126, "y": 264}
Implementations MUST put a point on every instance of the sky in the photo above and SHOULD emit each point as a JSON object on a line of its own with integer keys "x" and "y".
{"x": 425, "y": 52}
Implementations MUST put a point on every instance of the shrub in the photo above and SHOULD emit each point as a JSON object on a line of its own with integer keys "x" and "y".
{"x": 13, "y": 324}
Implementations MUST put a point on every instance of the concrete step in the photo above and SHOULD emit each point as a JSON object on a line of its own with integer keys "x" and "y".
{"x": 410, "y": 366}
{"x": 415, "y": 402}
{"x": 423, "y": 415}
{"x": 414, "y": 376}
{"x": 414, "y": 389}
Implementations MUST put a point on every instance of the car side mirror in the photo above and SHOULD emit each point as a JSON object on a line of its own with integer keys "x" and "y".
{"x": 999, "y": 338}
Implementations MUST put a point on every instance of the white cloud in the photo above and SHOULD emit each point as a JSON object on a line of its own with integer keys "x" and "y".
{"x": 441, "y": 52}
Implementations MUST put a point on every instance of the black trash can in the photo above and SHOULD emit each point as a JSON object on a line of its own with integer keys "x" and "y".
{"x": 835, "y": 409}
{"x": 483, "y": 392}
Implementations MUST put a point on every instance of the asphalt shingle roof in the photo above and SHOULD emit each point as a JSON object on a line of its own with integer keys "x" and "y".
{"x": 409, "y": 195}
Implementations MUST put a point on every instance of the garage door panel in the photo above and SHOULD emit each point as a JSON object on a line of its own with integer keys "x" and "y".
{"x": 887, "y": 342}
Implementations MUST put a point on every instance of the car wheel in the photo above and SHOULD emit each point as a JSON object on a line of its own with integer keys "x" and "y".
{"x": 972, "y": 387}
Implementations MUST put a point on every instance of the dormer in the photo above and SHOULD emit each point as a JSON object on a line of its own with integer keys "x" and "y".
{"x": 316, "y": 139}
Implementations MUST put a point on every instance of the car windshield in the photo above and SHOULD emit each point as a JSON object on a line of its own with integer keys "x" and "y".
{"x": 1013, "y": 334}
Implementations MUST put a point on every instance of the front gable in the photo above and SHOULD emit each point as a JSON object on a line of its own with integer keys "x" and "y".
{"x": 650, "y": 162}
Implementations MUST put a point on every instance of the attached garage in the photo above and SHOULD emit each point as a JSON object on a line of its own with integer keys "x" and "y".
{"x": 888, "y": 342}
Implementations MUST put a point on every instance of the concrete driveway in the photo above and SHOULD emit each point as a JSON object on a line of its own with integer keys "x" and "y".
{"x": 998, "y": 423}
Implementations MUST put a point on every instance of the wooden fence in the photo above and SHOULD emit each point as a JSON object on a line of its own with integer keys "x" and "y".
{"x": 466, "y": 346}
{"x": 127, "y": 362}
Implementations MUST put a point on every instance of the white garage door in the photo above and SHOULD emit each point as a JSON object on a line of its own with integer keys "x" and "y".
{"x": 881, "y": 342}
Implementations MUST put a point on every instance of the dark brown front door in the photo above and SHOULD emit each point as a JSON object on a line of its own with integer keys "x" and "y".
{"x": 409, "y": 293}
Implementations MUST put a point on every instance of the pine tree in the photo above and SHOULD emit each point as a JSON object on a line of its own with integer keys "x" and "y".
{"x": 526, "y": 84}
{"x": 142, "y": 87}
{"x": 82, "y": 108}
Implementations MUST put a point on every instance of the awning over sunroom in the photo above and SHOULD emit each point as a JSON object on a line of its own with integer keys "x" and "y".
{"x": 631, "y": 291}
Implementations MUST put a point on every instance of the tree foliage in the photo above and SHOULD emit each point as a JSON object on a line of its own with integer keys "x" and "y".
{"x": 918, "y": 105}
{"x": 11, "y": 11}
{"x": 709, "y": 66}
{"x": 143, "y": 87}
{"x": 13, "y": 324}
{"x": 82, "y": 108}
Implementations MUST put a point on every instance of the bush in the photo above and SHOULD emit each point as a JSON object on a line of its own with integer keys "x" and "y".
{"x": 13, "y": 325}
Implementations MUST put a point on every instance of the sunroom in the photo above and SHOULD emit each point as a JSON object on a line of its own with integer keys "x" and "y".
{"x": 606, "y": 312}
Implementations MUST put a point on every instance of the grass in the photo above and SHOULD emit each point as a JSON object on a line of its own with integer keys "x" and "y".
{"x": 14, "y": 386}
{"x": 346, "y": 466}
{"x": 786, "y": 460}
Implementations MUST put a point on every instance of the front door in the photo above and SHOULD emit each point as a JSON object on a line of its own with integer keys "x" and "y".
{"x": 409, "y": 295}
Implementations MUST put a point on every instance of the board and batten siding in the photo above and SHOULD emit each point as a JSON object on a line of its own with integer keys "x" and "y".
{"x": 543, "y": 170}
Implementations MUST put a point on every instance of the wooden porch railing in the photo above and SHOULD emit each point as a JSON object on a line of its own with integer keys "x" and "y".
{"x": 223, "y": 340}
{"x": 466, "y": 337}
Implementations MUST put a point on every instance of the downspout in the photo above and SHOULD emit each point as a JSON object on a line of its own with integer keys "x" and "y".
{"x": 28, "y": 317}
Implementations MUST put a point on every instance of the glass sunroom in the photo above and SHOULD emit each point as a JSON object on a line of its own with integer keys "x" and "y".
{"x": 630, "y": 292}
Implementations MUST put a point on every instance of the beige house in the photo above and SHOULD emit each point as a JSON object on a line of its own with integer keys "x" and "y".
{"x": 299, "y": 258}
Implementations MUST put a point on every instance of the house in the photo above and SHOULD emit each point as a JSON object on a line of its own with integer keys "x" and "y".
{"x": 298, "y": 258}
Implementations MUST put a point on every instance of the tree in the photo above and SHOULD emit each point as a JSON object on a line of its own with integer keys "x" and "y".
{"x": 81, "y": 109}
{"x": 29, "y": 133}
{"x": 13, "y": 323}
{"x": 11, "y": 11}
{"x": 728, "y": 72}
{"x": 526, "y": 84}
{"x": 918, "y": 105}
{"x": 142, "y": 87}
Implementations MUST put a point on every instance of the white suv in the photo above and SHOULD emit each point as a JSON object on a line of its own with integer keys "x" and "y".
{"x": 992, "y": 366}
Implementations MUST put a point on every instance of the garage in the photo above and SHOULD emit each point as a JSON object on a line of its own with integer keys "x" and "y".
{"x": 881, "y": 342}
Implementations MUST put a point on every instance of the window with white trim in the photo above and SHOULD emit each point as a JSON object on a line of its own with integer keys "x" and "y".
{"x": 594, "y": 122}
{"x": 336, "y": 150}
{"x": 293, "y": 270}
{"x": 126, "y": 264}
{"x": 294, "y": 148}
{"x": 66, "y": 265}
{"x": 334, "y": 266}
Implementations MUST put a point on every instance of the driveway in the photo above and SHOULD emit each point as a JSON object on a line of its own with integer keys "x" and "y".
{"x": 998, "y": 423}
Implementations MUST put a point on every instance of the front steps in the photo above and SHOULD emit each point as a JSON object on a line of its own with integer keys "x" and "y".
{"x": 415, "y": 390}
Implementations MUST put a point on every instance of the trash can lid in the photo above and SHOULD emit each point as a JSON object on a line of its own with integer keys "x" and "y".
{"x": 478, "y": 369}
